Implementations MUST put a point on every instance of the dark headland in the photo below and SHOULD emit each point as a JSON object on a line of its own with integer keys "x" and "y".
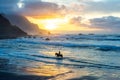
{"x": 7, "y": 30}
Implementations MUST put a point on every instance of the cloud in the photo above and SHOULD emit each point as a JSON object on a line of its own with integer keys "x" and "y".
{"x": 32, "y": 8}
{"x": 80, "y": 22}
{"x": 103, "y": 6}
{"x": 39, "y": 8}
{"x": 110, "y": 23}
{"x": 7, "y": 5}
{"x": 57, "y": 9}
{"x": 75, "y": 8}
{"x": 76, "y": 20}
{"x": 103, "y": 24}
{"x": 106, "y": 22}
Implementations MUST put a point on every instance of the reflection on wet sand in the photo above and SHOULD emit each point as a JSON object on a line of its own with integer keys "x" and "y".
{"x": 54, "y": 71}
{"x": 47, "y": 70}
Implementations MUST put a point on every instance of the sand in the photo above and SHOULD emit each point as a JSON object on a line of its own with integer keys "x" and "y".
{"x": 12, "y": 76}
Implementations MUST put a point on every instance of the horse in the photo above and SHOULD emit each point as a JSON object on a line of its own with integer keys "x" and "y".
{"x": 58, "y": 55}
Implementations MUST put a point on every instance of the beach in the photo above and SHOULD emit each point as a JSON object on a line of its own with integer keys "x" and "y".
{"x": 10, "y": 76}
{"x": 5, "y": 75}
{"x": 85, "y": 57}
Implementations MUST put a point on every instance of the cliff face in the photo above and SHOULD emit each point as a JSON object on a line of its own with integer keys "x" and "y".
{"x": 9, "y": 31}
{"x": 25, "y": 25}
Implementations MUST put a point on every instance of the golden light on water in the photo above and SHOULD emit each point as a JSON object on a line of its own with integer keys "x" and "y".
{"x": 48, "y": 70}
{"x": 58, "y": 72}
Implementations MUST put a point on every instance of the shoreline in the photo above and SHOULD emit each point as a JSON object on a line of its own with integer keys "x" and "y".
{"x": 4, "y": 75}
{"x": 13, "y": 76}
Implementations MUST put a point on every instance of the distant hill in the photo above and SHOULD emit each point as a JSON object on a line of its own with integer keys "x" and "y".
{"x": 25, "y": 25}
{"x": 7, "y": 30}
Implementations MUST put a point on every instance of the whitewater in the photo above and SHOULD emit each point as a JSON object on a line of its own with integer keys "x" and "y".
{"x": 95, "y": 56}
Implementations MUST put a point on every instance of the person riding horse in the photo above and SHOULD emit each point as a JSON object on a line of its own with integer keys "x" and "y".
{"x": 59, "y": 55}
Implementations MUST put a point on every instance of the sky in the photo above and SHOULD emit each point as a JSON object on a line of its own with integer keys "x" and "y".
{"x": 84, "y": 16}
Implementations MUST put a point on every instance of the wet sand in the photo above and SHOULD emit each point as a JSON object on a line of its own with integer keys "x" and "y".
{"x": 12, "y": 76}
{"x": 50, "y": 72}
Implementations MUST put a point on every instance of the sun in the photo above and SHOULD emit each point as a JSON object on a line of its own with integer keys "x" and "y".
{"x": 50, "y": 26}
{"x": 54, "y": 24}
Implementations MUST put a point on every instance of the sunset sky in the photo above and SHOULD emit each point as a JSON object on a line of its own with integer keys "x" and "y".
{"x": 89, "y": 16}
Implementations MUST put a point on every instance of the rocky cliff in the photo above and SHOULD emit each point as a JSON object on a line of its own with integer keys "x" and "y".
{"x": 7, "y": 30}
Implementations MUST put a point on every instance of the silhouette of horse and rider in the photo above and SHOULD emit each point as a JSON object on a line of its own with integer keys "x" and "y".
{"x": 59, "y": 55}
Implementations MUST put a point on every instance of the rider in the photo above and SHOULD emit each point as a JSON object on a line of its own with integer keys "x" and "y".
{"x": 59, "y": 52}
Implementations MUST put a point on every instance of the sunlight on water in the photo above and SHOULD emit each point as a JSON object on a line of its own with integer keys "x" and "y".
{"x": 48, "y": 70}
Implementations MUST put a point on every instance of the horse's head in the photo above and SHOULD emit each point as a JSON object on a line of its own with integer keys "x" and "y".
{"x": 56, "y": 54}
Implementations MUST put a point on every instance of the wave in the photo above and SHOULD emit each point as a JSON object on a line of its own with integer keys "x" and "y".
{"x": 99, "y": 39}
{"x": 74, "y": 45}
{"x": 81, "y": 63}
{"x": 94, "y": 37}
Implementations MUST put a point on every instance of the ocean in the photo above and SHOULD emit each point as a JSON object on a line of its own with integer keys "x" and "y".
{"x": 85, "y": 56}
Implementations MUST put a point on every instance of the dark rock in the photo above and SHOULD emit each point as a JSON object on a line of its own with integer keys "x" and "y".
{"x": 34, "y": 37}
{"x": 47, "y": 39}
{"x": 90, "y": 34}
{"x": 67, "y": 38}
{"x": 80, "y": 34}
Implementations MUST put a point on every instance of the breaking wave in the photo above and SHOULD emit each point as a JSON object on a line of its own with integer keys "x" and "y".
{"x": 72, "y": 62}
{"x": 75, "y": 45}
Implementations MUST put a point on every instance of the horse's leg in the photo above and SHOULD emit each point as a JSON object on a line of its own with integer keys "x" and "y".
{"x": 61, "y": 55}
